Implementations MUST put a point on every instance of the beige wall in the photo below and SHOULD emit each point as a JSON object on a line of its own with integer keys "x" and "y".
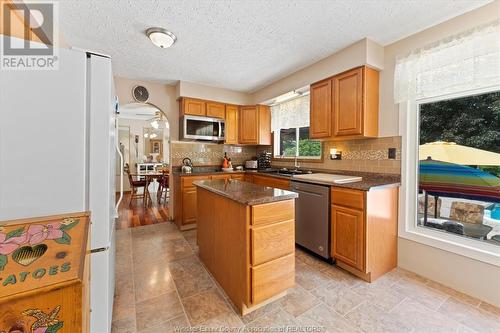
{"x": 161, "y": 95}
{"x": 189, "y": 89}
{"x": 357, "y": 54}
{"x": 470, "y": 276}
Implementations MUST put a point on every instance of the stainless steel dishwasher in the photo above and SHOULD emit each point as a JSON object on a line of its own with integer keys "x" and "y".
{"x": 312, "y": 217}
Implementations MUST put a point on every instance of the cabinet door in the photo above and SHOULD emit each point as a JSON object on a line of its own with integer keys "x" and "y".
{"x": 249, "y": 125}
{"x": 216, "y": 110}
{"x": 231, "y": 124}
{"x": 348, "y": 236}
{"x": 193, "y": 107}
{"x": 264, "y": 117}
{"x": 321, "y": 110}
{"x": 348, "y": 103}
{"x": 189, "y": 205}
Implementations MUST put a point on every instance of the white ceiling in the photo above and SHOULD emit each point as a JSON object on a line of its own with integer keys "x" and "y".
{"x": 240, "y": 45}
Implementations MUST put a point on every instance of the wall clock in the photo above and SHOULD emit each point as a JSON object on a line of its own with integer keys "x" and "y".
{"x": 141, "y": 94}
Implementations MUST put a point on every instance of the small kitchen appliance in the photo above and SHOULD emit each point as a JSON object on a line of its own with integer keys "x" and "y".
{"x": 187, "y": 165}
{"x": 251, "y": 164}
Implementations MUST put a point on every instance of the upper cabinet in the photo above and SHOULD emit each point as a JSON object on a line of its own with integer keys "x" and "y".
{"x": 216, "y": 110}
{"x": 232, "y": 124}
{"x": 193, "y": 107}
{"x": 248, "y": 124}
{"x": 346, "y": 105}
{"x": 255, "y": 125}
{"x": 321, "y": 110}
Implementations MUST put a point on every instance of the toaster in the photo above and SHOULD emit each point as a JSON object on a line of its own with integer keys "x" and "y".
{"x": 251, "y": 164}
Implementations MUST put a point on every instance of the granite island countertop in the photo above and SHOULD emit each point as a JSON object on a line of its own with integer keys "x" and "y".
{"x": 244, "y": 192}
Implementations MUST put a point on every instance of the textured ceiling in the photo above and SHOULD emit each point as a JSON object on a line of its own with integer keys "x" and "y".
{"x": 240, "y": 45}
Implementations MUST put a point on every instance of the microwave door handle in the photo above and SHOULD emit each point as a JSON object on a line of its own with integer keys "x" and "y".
{"x": 220, "y": 129}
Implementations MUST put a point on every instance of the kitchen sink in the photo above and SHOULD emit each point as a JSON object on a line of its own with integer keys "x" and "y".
{"x": 287, "y": 172}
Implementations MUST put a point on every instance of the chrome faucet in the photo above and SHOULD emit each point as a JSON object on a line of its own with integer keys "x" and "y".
{"x": 296, "y": 163}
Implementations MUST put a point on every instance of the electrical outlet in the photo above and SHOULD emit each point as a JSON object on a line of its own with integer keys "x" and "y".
{"x": 391, "y": 153}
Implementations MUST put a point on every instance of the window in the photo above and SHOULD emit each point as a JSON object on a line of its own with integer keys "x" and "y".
{"x": 448, "y": 91}
{"x": 459, "y": 167}
{"x": 290, "y": 125}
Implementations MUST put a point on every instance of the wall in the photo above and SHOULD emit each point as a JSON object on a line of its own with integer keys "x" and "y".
{"x": 364, "y": 52}
{"x": 189, "y": 89}
{"x": 161, "y": 95}
{"x": 367, "y": 155}
{"x": 472, "y": 277}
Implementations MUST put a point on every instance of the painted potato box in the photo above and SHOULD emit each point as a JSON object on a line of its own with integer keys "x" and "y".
{"x": 44, "y": 274}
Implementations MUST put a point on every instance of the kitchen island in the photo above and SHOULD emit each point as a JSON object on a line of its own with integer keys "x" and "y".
{"x": 246, "y": 239}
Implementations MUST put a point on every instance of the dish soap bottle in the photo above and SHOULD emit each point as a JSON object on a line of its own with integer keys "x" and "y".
{"x": 225, "y": 163}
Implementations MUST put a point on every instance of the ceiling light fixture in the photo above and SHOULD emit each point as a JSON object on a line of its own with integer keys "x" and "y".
{"x": 155, "y": 124}
{"x": 161, "y": 37}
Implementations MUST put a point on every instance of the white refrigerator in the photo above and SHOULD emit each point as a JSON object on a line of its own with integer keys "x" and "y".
{"x": 57, "y": 155}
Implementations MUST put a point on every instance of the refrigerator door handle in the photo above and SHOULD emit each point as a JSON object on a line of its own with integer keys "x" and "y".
{"x": 121, "y": 171}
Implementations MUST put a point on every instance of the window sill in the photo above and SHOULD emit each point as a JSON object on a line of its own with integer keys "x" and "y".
{"x": 470, "y": 248}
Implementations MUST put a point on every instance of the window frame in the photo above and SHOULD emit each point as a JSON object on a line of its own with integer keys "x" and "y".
{"x": 309, "y": 159}
{"x": 409, "y": 125}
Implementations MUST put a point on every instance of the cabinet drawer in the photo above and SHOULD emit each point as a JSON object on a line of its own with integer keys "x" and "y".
{"x": 272, "y": 278}
{"x": 283, "y": 184}
{"x": 214, "y": 177}
{"x": 239, "y": 176}
{"x": 272, "y": 241}
{"x": 273, "y": 212}
{"x": 188, "y": 181}
{"x": 348, "y": 198}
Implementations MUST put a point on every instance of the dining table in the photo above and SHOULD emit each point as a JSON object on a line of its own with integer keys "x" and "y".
{"x": 148, "y": 177}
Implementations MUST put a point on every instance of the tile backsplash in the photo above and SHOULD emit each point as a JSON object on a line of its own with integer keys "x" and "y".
{"x": 209, "y": 153}
{"x": 366, "y": 155}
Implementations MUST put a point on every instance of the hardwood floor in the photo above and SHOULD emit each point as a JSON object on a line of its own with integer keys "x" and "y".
{"x": 137, "y": 214}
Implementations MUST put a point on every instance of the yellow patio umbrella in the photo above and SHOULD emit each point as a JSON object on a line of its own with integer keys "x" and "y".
{"x": 458, "y": 154}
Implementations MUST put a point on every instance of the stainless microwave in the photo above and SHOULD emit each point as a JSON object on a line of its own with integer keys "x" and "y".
{"x": 202, "y": 128}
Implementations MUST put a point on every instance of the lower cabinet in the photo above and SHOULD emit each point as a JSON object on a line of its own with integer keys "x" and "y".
{"x": 185, "y": 201}
{"x": 364, "y": 230}
{"x": 189, "y": 205}
{"x": 280, "y": 183}
{"x": 348, "y": 236}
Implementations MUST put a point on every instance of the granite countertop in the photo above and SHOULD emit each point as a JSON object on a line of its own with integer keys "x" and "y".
{"x": 245, "y": 193}
{"x": 370, "y": 180}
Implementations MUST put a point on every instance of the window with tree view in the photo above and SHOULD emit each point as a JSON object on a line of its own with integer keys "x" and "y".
{"x": 290, "y": 122}
{"x": 459, "y": 166}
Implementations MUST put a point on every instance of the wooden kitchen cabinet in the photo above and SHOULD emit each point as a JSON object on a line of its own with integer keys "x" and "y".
{"x": 364, "y": 230}
{"x": 255, "y": 125}
{"x": 345, "y": 106}
{"x": 215, "y": 109}
{"x": 185, "y": 200}
{"x": 192, "y": 106}
{"x": 348, "y": 231}
{"x": 231, "y": 124}
{"x": 45, "y": 280}
{"x": 321, "y": 110}
{"x": 355, "y": 103}
{"x": 275, "y": 182}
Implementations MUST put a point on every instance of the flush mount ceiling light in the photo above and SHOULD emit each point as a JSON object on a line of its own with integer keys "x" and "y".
{"x": 161, "y": 37}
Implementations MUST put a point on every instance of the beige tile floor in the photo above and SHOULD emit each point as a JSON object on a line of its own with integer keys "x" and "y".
{"x": 161, "y": 286}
